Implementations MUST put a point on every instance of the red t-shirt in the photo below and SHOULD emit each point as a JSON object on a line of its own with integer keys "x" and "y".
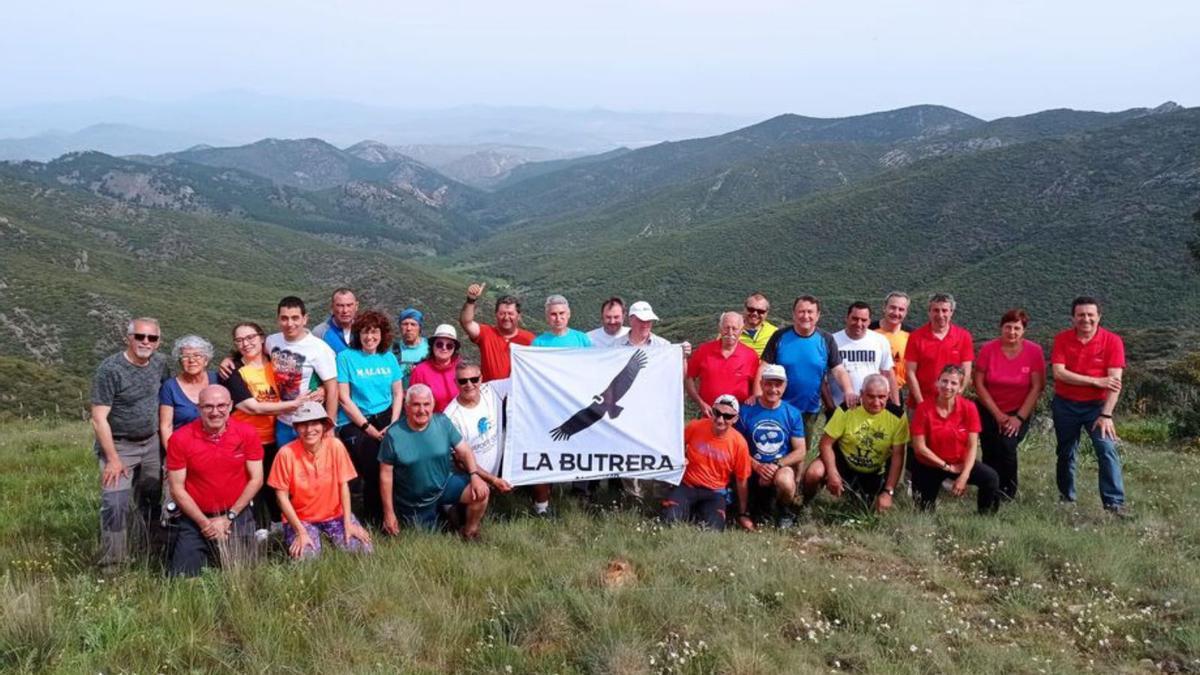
{"x": 946, "y": 437}
{"x": 216, "y": 468}
{"x": 719, "y": 375}
{"x": 1009, "y": 380}
{"x": 931, "y": 355}
{"x": 1105, "y": 350}
{"x": 494, "y": 360}
{"x": 712, "y": 459}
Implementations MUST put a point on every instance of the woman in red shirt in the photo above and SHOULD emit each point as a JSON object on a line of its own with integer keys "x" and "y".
{"x": 1009, "y": 375}
{"x": 945, "y": 438}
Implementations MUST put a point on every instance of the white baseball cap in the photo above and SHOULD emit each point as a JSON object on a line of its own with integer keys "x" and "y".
{"x": 642, "y": 310}
{"x": 729, "y": 400}
{"x": 774, "y": 371}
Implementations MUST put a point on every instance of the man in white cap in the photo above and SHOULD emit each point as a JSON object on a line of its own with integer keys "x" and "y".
{"x": 716, "y": 456}
{"x": 641, "y": 327}
{"x": 774, "y": 430}
{"x": 612, "y": 328}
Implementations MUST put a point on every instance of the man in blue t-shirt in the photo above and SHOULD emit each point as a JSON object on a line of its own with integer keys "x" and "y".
{"x": 558, "y": 315}
{"x": 774, "y": 430}
{"x": 807, "y": 354}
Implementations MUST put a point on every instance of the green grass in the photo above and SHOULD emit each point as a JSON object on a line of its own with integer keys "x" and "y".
{"x": 1039, "y": 588}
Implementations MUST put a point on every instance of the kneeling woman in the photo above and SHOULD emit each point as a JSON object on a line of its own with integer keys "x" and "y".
{"x": 311, "y": 476}
{"x": 945, "y": 438}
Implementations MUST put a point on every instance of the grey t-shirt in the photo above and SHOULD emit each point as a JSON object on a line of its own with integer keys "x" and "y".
{"x": 132, "y": 392}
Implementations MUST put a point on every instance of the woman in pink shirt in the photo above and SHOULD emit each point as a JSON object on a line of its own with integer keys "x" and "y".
{"x": 1009, "y": 375}
{"x": 437, "y": 370}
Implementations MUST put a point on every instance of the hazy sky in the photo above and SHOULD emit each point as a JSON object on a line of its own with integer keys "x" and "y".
{"x": 986, "y": 58}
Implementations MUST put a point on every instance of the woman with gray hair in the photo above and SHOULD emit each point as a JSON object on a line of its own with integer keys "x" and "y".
{"x": 178, "y": 395}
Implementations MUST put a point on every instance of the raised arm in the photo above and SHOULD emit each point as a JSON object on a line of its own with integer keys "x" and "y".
{"x": 466, "y": 315}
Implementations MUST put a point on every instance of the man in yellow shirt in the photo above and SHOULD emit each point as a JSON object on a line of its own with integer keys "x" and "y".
{"x": 757, "y": 330}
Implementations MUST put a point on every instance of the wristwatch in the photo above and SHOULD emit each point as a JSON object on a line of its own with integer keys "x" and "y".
{"x": 231, "y": 514}
{"x": 891, "y": 492}
{"x": 366, "y": 423}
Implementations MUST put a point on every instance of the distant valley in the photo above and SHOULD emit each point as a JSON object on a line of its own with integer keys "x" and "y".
{"x": 1026, "y": 210}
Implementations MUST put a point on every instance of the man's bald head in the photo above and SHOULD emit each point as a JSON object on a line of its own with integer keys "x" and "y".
{"x": 215, "y": 405}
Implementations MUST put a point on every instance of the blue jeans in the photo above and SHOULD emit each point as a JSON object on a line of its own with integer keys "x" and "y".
{"x": 284, "y": 434}
{"x": 1069, "y": 417}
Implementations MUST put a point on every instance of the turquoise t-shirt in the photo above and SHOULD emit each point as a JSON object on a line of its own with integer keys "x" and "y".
{"x": 370, "y": 377}
{"x": 410, "y": 356}
{"x": 572, "y": 338}
{"x": 422, "y": 460}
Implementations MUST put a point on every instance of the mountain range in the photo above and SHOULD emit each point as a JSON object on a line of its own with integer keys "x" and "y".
{"x": 1027, "y": 211}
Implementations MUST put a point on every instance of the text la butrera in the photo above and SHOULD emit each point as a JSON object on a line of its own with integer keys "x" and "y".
{"x": 602, "y": 462}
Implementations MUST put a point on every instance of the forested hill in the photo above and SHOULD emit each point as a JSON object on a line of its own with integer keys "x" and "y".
{"x": 1025, "y": 211}
{"x": 1034, "y": 223}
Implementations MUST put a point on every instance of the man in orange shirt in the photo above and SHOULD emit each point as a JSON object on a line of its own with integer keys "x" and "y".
{"x": 716, "y": 453}
{"x": 892, "y": 326}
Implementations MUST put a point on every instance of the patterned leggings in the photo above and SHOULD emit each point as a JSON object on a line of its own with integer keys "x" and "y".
{"x": 333, "y": 528}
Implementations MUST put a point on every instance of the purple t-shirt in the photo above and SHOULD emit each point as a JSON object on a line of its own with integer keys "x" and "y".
{"x": 1009, "y": 380}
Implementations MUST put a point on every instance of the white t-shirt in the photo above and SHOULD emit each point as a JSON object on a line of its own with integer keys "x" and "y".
{"x": 295, "y": 365}
{"x": 481, "y": 426}
{"x": 601, "y": 339}
{"x": 872, "y": 353}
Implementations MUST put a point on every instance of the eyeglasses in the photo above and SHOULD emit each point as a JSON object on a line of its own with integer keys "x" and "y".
{"x": 210, "y": 407}
{"x": 755, "y": 310}
{"x": 728, "y": 417}
{"x": 470, "y": 380}
{"x": 144, "y": 337}
{"x": 192, "y": 357}
{"x": 444, "y": 344}
{"x": 246, "y": 339}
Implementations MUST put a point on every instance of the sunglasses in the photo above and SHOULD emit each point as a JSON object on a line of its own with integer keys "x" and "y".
{"x": 728, "y": 417}
{"x": 755, "y": 310}
{"x": 144, "y": 337}
{"x": 444, "y": 344}
{"x": 470, "y": 380}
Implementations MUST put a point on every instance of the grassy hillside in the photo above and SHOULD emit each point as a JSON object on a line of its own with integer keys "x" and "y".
{"x": 75, "y": 268}
{"x": 1034, "y": 224}
{"x": 1038, "y": 588}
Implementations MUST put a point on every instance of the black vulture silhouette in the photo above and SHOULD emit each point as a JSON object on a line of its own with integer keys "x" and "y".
{"x": 604, "y": 402}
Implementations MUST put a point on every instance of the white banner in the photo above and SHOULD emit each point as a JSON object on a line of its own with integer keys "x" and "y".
{"x": 586, "y": 414}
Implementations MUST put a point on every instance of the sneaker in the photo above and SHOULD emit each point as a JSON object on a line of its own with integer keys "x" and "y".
{"x": 786, "y": 522}
{"x": 261, "y": 535}
{"x": 546, "y": 514}
{"x": 1119, "y": 511}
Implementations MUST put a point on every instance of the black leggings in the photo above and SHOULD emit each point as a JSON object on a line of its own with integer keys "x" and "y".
{"x": 364, "y": 454}
{"x": 927, "y": 482}
{"x": 1000, "y": 452}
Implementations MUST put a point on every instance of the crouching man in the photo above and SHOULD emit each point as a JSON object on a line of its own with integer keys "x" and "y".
{"x": 214, "y": 469}
{"x": 417, "y": 474}
{"x": 862, "y": 450}
{"x": 716, "y": 455}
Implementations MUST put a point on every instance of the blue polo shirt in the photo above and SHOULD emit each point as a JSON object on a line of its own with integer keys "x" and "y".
{"x": 806, "y": 360}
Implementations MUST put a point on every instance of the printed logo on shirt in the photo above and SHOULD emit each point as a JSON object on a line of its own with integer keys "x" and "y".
{"x": 858, "y": 355}
{"x": 484, "y": 425}
{"x": 769, "y": 438}
{"x": 289, "y": 372}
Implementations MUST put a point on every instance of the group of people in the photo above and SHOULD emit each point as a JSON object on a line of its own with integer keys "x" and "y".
{"x": 349, "y": 428}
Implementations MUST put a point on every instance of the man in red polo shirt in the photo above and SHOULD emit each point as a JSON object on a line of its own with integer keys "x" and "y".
{"x": 1088, "y": 362}
{"x": 722, "y": 366}
{"x": 932, "y": 347}
{"x": 214, "y": 468}
{"x": 493, "y": 341}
